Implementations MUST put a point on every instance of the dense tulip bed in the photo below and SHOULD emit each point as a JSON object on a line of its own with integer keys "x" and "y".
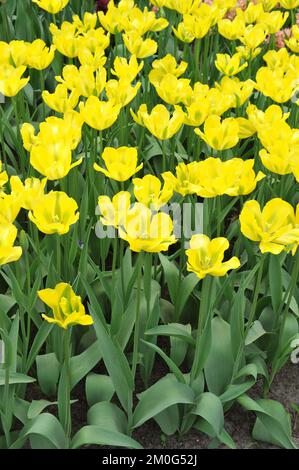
{"x": 149, "y": 212}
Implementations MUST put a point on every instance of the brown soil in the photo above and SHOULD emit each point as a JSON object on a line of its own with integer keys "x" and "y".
{"x": 238, "y": 422}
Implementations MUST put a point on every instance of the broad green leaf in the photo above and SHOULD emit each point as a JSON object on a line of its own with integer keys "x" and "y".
{"x": 48, "y": 427}
{"x": 15, "y": 378}
{"x": 209, "y": 407}
{"x": 98, "y": 388}
{"x": 99, "y": 436}
{"x": 164, "y": 393}
{"x": 173, "y": 329}
{"x": 107, "y": 416}
{"x": 82, "y": 364}
{"x": 256, "y": 331}
{"x": 48, "y": 370}
{"x": 115, "y": 362}
{"x": 219, "y": 363}
{"x": 274, "y": 419}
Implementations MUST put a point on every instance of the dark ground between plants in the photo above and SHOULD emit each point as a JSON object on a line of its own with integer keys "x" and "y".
{"x": 238, "y": 422}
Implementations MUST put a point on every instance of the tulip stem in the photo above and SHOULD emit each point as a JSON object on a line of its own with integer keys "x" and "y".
{"x": 68, "y": 418}
{"x": 139, "y": 264}
{"x": 255, "y": 295}
{"x": 203, "y": 318}
{"x": 58, "y": 255}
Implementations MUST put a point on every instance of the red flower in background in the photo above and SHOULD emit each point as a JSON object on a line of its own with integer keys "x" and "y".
{"x": 102, "y": 5}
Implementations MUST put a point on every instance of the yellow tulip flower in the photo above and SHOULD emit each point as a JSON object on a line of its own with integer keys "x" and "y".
{"x": 229, "y": 65}
{"x": 141, "y": 48}
{"x": 99, "y": 114}
{"x": 220, "y": 135}
{"x": 66, "y": 306}
{"x": 86, "y": 24}
{"x": 273, "y": 227}
{"x": 231, "y": 30}
{"x": 205, "y": 256}
{"x": 279, "y": 85}
{"x": 166, "y": 65}
{"x": 219, "y": 101}
{"x": 11, "y": 81}
{"x": 239, "y": 91}
{"x": 56, "y": 161}
{"x": 254, "y": 35}
{"x": 10, "y": 206}
{"x": 95, "y": 60}
{"x": 148, "y": 190}
{"x": 61, "y": 101}
{"x": 83, "y": 80}
{"x": 145, "y": 231}
{"x": 121, "y": 163}
{"x": 29, "y": 192}
{"x": 126, "y": 70}
{"x": 142, "y": 21}
{"x": 113, "y": 211}
{"x": 8, "y": 252}
{"x": 273, "y": 21}
{"x": 112, "y": 21}
{"x": 186, "y": 180}
{"x": 174, "y": 90}
{"x": 159, "y": 122}
{"x": 65, "y": 39}
{"x": 52, "y": 6}
{"x": 289, "y": 4}
{"x": 197, "y": 112}
{"x": 183, "y": 33}
{"x": 54, "y": 213}
{"x": 13, "y": 53}
{"x": 293, "y": 42}
{"x": 39, "y": 56}
{"x": 120, "y": 92}
{"x": 199, "y": 25}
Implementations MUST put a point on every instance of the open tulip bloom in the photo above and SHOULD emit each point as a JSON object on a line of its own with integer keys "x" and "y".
{"x": 149, "y": 222}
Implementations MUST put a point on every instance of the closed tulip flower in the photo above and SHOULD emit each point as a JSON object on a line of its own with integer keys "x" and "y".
{"x": 145, "y": 231}
{"x": 113, "y": 211}
{"x": 149, "y": 191}
{"x": 39, "y": 56}
{"x": 66, "y": 306}
{"x": 11, "y": 81}
{"x": 121, "y": 163}
{"x": 99, "y": 114}
{"x": 273, "y": 226}
{"x": 54, "y": 213}
{"x": 52, "y": 6}
{"x": 28, "y": 192}
{"x": 220, "y": 135}
{"x": 8, "y": 252}
{"x": 159, "y": 122}
{"x": 231, "y": 30}
{"x": 112, "y": 20}
{"x": 61, "y": 101}
{"x": 138, "y": 46}
{"x": 229, "y": 65}
{"x": 205, "y": 256}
